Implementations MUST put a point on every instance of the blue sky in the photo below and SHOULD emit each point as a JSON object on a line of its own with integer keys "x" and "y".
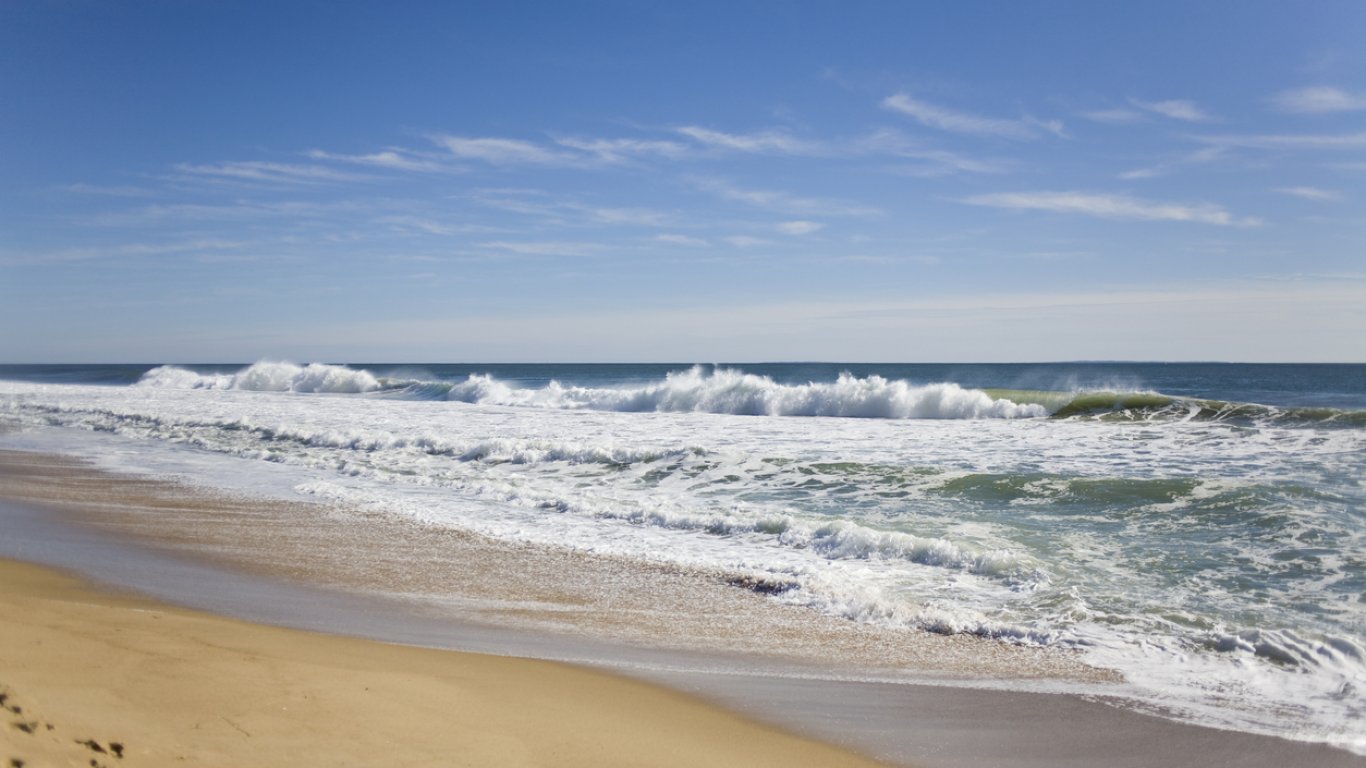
{"x": 631, "y": 181}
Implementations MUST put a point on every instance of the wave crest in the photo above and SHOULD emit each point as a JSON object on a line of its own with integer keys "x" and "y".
{"x": 728, "y": 391}
{"x": 696, "y": 390}
{"x": 268, "y": 376}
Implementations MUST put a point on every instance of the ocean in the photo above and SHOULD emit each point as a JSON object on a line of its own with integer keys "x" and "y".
{"x": 1199, "y": 529}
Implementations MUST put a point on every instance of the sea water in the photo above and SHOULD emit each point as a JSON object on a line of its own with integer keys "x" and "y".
{"x": 1200, "y": 529}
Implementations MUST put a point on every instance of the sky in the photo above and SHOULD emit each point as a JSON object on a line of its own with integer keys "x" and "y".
{"x": 202, "y": 181}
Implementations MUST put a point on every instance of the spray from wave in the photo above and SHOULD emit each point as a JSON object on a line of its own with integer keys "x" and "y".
{"x": 723, "y": 391}
{"x": 730, "y": 391}
{"x": 267, "y": 376}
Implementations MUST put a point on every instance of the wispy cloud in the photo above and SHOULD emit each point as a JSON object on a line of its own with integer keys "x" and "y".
{"x": 1150, "y": 172}
{"x": 944, "y": 163}
{"x": 500, "y": 151}
{"x": 676, "y": 239}
{"x": 954, "y": 121}
{"x": 636, "y": 217}
{"x": 1176, "y": 109}
{"x": 1288, "y": 141}
{"x": 1200, "y": 156}
{"x": 428, "y": 226}
{"x": 110, "y": 191}
{"x": 67, "y": 255}
{"x": 783, "y": 202}
{"x": 623, "y": 150}
{"x": 933, "y": 161}
{"x": 766, "y": 142}
{"x": 745, "y": 241}
{"x": 543, "y": 248}
{"x": 1310, "y": 193}
{"x": 290, "y": 209}
{"x": 800, "y": 227}
{"x": 1319, "y": 99}
{"x": 1116, "y": 116}
{"x": 392, "y": 159}
{"x": 260, "y": 171}
{"x": 565, "y": 152}
{"x": 1108, "y": 206}
{"x": 570, "y": 212}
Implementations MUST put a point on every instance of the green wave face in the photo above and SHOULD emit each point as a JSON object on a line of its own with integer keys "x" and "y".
{"x": 1109, "y": 405}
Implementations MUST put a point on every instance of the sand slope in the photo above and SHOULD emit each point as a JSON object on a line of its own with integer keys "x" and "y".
{"x": 87, "y": 674}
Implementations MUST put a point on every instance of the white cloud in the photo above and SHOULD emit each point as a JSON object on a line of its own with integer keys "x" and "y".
{"x": 292, "y": 209}
{"x": 543, "y": 248}
{"x": 799, "y": 227}
{"x": 1054, "y": 127}
{"x": 674, "y": 239}
{"x": 1309, "y": 193}
{"x": 565, "y": 212}
{"x": 1115, "y": 116}
{"x": 946, "y": 119}
{"x": 1289, "y": 141}
{"x": 937, "y": 162}
{"x": 1176, "y": 109}
{"x": 1205, "y": 155}
{"x": 566, "y": 152}
{"x": 268, "y": 172}
{"x": 767, "y": 142}
{"x": 621, "y": 150}
{"x": 1109, "y": 207}
{"x": 1318, "y": 100}
{"x": 114, "y": 191}
{"x": 933, "y": 167}
{"x": 393, "y": 159}
{"x": 67, "y": 255}
{"x": 639, "y": 217}
{"x": 745, "y": 241}
{"x": 410, "y": 223}
{"x": 498, "y": 151}
{"x": 783, "y": 202}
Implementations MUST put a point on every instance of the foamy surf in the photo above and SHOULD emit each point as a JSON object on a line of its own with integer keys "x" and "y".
{"x": 722, "y": 391}
{"x": 729, "y": 391}
{"x": 1210, "y": 551}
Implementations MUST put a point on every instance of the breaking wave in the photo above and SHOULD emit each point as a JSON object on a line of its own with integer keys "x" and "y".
{"x": 268, "y": 377}
{"x": 696, "y": 390}
{"x": 731, "y": 391}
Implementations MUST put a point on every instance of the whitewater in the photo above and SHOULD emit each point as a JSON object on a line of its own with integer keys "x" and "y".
{"x": 1202, "y": 536}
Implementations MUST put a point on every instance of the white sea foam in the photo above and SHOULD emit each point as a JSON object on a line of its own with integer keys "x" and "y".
{"x": 735, "y": 392}
{"x": 173, "y": 377}
{"x": 696, "y": 390}
{"x": 268, "y": 376}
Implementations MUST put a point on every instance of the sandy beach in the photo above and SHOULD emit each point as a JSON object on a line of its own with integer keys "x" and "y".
{"x": 88, "y": 674}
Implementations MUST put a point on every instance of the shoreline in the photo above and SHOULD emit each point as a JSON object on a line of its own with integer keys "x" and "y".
{"x": 522, "y": 588}
{"x": 896, "y": 721}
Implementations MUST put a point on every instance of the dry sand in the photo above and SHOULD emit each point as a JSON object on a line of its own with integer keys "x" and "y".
{"x": 92, "y": 677}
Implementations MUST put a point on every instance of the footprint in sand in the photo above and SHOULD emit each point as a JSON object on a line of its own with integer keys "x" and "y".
{"x": 33, "y": 727}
